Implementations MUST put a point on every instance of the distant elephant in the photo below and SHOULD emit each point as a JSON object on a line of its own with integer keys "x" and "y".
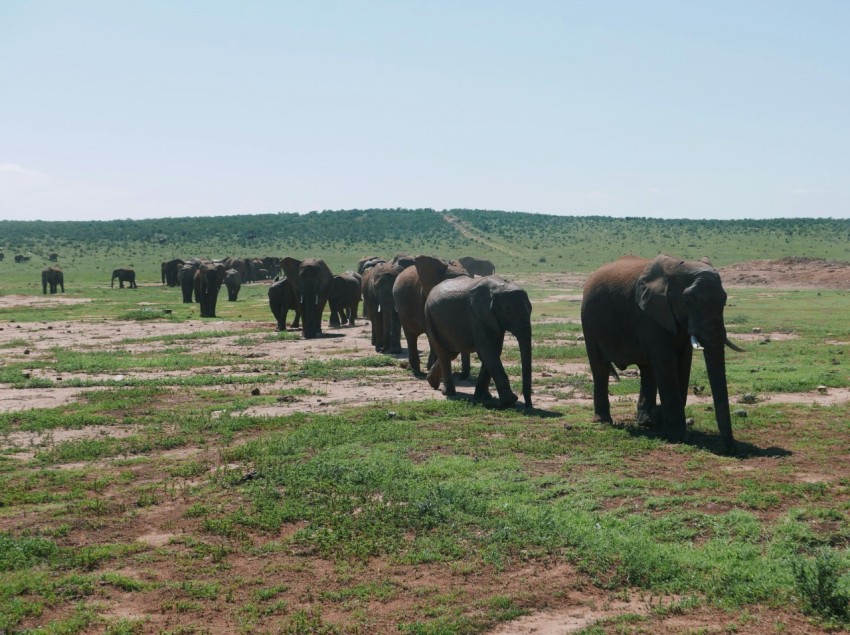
{"x": 344, "y": 298}
{"x": 364, "y": 268}
{"x": 410, "y": 290}
{"x": 466, "y": 315}
{"x": 653, "y": 313}
{"x": 282, "y": 299}
{"x": 243, "y": 265}
{"x": 378, "y": 298}
{"x": 477, "y": 266}
{"x": 233, "y": 282}
{"x": 54, "y": 257}
{"x": 312, "y": 281}
{"x": 52, "y": 277}
{"x": 169, "y": 271}
{"x": 208, "y": 279}
{"x": 272, "y": 265}
{"x": 2, "y": 255}
{"x": 186, "y": 280}
{"x": 123, "y": 275}
{"x": 21, "y": 258}
{"x": 361, "y": 264}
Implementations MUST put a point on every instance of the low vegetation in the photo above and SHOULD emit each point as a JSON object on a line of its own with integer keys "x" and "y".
{"x": 206, "y": 476}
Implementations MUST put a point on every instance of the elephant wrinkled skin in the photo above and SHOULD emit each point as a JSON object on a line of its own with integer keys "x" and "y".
{"x": 653, "y": 313}
{"x": 312, "y": 281}
{"x": 233, "y": 282}
{"x": 467, "y": 315}
{"x": 208, "y": 279}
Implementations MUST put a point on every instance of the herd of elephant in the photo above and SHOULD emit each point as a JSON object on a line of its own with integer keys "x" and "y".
{"x": 652, "y": 313}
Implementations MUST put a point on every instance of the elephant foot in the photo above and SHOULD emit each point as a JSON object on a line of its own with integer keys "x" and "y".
{"x": 644, "y": 420}
{"x": 508, "y": 399}
{"x": 449, "y": 391}
{"x": 598, "y": 418}
{"x": 434, "y": 380}
{"x": 483, "y": 395}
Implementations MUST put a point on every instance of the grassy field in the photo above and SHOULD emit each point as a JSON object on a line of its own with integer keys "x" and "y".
{"x": 208, "y": 477}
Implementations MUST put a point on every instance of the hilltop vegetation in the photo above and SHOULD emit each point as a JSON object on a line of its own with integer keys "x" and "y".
{"x": 515, "y": 241}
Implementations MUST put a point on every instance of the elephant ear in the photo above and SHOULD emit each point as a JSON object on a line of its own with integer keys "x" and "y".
{"x": 431, "y": 271}
{"x": 651, "y": 296}
{"x": 290, "y": 267}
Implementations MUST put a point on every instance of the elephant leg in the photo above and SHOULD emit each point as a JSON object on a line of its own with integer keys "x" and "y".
{"x": 393, "y": 334}
{"x": 672, "y": 407}
{"x": 599, "y": 368}
{"x": 646, "y": 399}
{"x": 489, "y": 349}
{"x": 482, "y": 386}
{"x": 296, "y": 323}
{"x": 685, "y": 359}
{"x": 412, "y": 352}
{"x": 464, "y": 365}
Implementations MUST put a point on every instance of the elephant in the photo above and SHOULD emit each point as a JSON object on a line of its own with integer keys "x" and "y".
{"x": 243, "y": 265}
{"x": 364, "y": 268}
{"x": 466, "y": 315}
{"x": 410, "y": 290}
{"x": 186, "y": 279}
{"x": 312, "y": 281}
{"x": 654, "y": 313}
{"x": 19, "y": 258}
{"x": 272, "y": 265}
{"x": 282, "y": 299}
{"x": 123, "y": 275}
{"x": 169, "y": 271}
{"x": 362, "y": 263}
{"x": 233, "y": 282}
{"x": 207, "y": 282}
{"x": 53, "y": 257}
{"x": 2, "y": 255}
{"x": 477, "y": 266}
{"x": 53, "y": 277}
{"x": 344, "y": 298}
{"x": 378, "y": 298}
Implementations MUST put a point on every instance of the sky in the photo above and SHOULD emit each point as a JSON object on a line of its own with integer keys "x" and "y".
{"x": 679, "y": 109}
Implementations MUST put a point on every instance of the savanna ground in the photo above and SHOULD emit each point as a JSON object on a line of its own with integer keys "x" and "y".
{"x": 163, "y": 474}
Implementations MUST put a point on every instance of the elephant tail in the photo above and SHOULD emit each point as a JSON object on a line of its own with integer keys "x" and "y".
{"x": 613, "y": 372}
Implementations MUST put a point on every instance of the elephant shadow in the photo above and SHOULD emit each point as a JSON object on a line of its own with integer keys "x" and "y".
{"x": 706, "y": 441}
{"x": 493, "y": 403}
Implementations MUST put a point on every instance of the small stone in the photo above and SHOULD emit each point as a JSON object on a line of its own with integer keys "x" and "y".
{"x": 756, "y": 329}
{"x": 747, "y": 397}
{"x": 689, "y": 422}
{"x": 216, "y": 414}
{"x": 255, "y": 391}
{"x": 392, "y": 414}
{"x": 27, "y": 375}
{"x": 26, "y": 351}
{"x": 58, "y": 379}
{"x": 580, "y": 338}
{"x": 741, "y": 413}
{"x": 765, "y": 341}
{"x": 822, "y": 389}
{"x": 49, "y": 328}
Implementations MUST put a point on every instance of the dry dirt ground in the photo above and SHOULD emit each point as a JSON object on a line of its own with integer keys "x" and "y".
{"x": 578, "y": 606}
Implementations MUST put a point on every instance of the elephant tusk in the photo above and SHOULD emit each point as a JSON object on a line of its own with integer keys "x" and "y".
{"x": 695, "y": 343}
{"x": 301, "y": 300}
{"x": 734, "y": 347}
{"x": 379, "y": 308}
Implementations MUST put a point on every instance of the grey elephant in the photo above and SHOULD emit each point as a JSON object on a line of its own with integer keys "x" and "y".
{"x": 344, "y": 298}
{"x": 208, "y": 279}
{"x": 169, "y": 271}
{"x": 654, "y": 313}
{"x": 186, "y": 280}
{"x": 54, "y": 278}
{"x": 233, "y": 282}
{"x": 378, "y": 298}
{"x": 124, "y": 275}
{"x": 471, "y": 315}
{"x": 312, "y": 281}
{"x": 410, "y": 290}
{"x": 282, "y": 299}
{"x": 477, "y": 266}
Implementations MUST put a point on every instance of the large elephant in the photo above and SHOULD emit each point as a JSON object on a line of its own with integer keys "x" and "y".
{"x": 208, "y": 279}
{"x": 378, "y": 298}
{"x": 53, "y": 257}
{"x": 368, "y": 261}
{"x": 52, "y": 277}
{"x": 123, "y": 275}
{"x": 477, "y": 266}
{"x": 410, "y": 291}
{"x": 233, "y": 282}
{"x": 243, "y": 265}
{"x": 312, "y": 281}
{"x": 169, "y": 271}
{"x": 186, "y": 279}
{"x": 654, "y": 313}
{"x": 466, "y": 315}
{"x": 282, "y": 299}
{"x": 344, "y": 298}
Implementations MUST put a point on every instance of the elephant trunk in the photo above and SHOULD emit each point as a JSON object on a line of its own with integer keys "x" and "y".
{"x": 525, "y": 357}
{"x": 309, "y": 312}
{"x": 715, "y": 365}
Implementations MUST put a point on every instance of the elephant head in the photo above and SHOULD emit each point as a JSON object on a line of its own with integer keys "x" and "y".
{"x": 312, "y": 281}
{"x": 499, "y": 306}
{"x": 686, "y": 297}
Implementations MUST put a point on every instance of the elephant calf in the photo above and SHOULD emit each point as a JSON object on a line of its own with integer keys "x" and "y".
{"x": 52, "y": 277}
{"x": 282, "y": 299}
{"x": 233, "y": 282}
{"x": 123, "y": 275}
{"x": 466, "y": 315}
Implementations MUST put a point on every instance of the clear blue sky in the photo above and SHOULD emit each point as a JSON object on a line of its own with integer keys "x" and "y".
{"x": 722, "y": 109}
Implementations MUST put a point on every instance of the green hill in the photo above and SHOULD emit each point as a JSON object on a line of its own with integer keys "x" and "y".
{"x": 515, "y": 241}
